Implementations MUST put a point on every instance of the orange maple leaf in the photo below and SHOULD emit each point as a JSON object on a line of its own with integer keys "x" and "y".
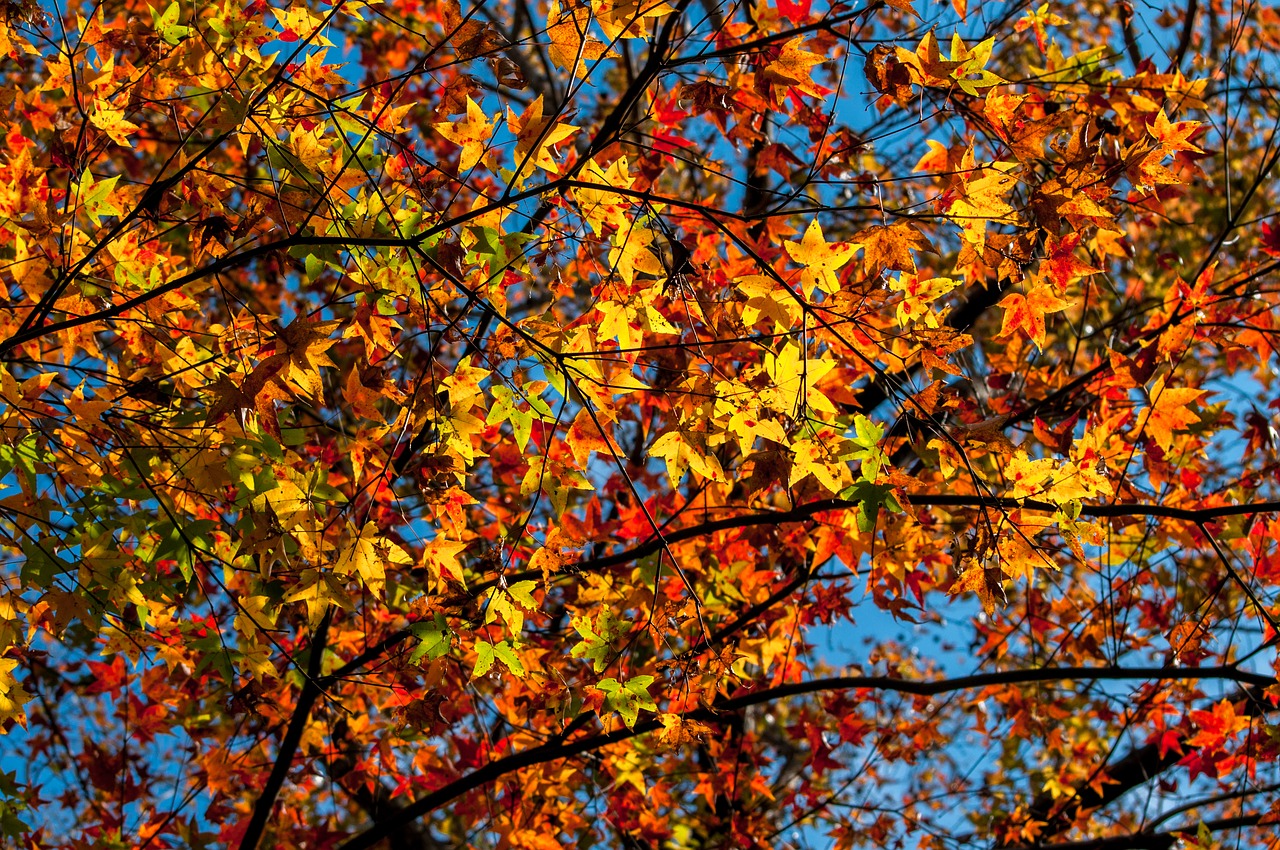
{"x": 1026, "y": 312}
{"x": 794, "y": 67}
{"x": 1173, "y": 137}
{"x": 1169, "y": 412}
{"x": 890, "y": 247}
{"x": 570, "y": 47}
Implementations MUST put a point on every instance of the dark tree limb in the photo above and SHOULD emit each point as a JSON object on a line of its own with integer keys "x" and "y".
{"x": 557, "y": 750}
{"x": 307, "y": 697}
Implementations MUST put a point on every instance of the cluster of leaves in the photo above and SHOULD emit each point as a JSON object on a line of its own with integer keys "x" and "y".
{"x": 527, "y": 424}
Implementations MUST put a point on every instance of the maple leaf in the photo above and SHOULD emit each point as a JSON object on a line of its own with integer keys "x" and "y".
{"x": 1061, "y": 265}
{"x": 472, "y": 134}
{"x": 678, "y": 729}
{"x": 470, "y": 38}
{"x": 12, "y": 695}
{"x": 367, "y": 553}
{"x": 890, "y": 247}
{"x": 584, "y": 437}
{"x": 820, "y": 258}
{"x": 628, "y": 698}
{"x": 1270, "y": 240}
{"x": 440, "y": 557}
{"x": 793, "y": 67}
{"x": 305, "y": 343}
{"x": 631, "y": 252}
{"x": 1173, "y": 137}
{"x": 1036, "y": 21}
{"x": 571, "y": 47}
{"x": 94, "y": 196}
{"x": 971, "y": 73}
{"x": 113, "y": 123}
{"x": 597, "y": 638}
{"x": 796, "y": 12}
{"x": 435, "y": 639}
{"x": 1026, "y": 313}
{"x": 981, "y": 198}
{"x": 917, "y": 295}
{"x": 889, "y": 75}
{"x": 510, "y": 602}
{"x": 767, "y": 300}
{"x": 536, "y": 138}
{"x": 628, "y": 18}
{"x": 1216, "y": 725}
{"x": 984, "y": 581}
{"x": 794, "y": 379}
{"x": 931, "y": 69}
{"x": 681, "y": 455}
{"x": 1168, "y": 411}
{"x": 601, "y": 207}
{"x": 319, "y": 589}
{"x": 821, "y": 458}
{"x": 487, "y": 653}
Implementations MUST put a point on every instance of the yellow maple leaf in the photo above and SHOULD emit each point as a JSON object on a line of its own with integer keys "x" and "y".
{"x": 820, "y": 458}
{"x": 795, "y": 379}
{"x": 113, "y": 123}
{"x": 536, "y": 137}
{"x": 918, "y": 294}
{"x": 627, "y": 18}
{"x": 1169, "y": 411}
{"x": 630, "y": 253}
{"x": 367, "y": 553}
{"x": 571, "y": 47}
{"x": 464, "y": 384}
{"x": 604, "y": 206}
{"x": 982, "y": 198}
{"x": 1026, "y": 476}
{"x": 319, "y": 589}
{"x": 680, "y": 456}
{"x": 12, "y": 696}
{"x": 471, "y": 133}
{"x": 766, "y": 299}
{"x": 254, "y": 613}
{"x": 820, "y": 258}
{"x": 441, "y": 555}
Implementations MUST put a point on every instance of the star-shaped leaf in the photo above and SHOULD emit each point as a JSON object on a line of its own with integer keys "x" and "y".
{"x": 1026, "y": 312}
{"x": 1169, "y": 411}
{"x": 820, "y": 258}
{"x": 471, "y": 133}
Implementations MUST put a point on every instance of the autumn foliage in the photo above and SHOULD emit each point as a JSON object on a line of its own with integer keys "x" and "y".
{"x": 639, "y": 424}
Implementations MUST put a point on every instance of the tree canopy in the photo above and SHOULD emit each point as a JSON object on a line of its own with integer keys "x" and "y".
{"x": 639, "y": 424}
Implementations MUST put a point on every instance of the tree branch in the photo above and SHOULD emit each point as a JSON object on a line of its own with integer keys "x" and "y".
{"x": 292, "y": 738}
{"x": 560, "y": 750}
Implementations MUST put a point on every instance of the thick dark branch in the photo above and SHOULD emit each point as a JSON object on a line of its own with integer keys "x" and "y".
{"x": 1184, "y": 40}
{"x": 292, "y": 738}
{"x": 1148, "y": 840}
{"x": 800, "y": 513}
{"x": 808, "y": 511}
{"x": 567, "y": 749}
{"x": 1136, "y": 768}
